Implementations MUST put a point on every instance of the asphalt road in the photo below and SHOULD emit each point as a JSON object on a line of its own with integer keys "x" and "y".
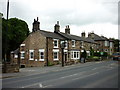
{"x": 102, "y": 74}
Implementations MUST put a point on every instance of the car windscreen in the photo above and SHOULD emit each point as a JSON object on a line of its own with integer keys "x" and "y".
{"x": 116, "y": 54}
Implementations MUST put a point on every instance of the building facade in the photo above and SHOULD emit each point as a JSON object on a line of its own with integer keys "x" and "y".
{"x": 42, "y": 48}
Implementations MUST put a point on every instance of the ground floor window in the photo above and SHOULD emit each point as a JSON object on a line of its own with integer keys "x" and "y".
{"x": 31, "y": 54}
{"x": 22, "y": 55}
{"x": 75, "y": 54}
{"x": 55, "y": 54}
{"x": 88, "y": 53}
{"x": 41, "y": 54}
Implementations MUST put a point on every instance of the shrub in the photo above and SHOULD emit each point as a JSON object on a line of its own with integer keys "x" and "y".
{"x": 50, "y": 64}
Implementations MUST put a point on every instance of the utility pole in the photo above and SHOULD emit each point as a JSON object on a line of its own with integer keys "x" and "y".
{"x": 5, "y": 57}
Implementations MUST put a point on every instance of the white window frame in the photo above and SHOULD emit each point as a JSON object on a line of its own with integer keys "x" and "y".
{"x": 66, "y": 43}
{"x": 57, "y": 43}
{"x": 57, "y": 51}
{"x": 75, "y": 53}
{"x": 30, "y": 54}
{"x": 15, "y": 56}
{"x": 41, "y": 50}
{"x": 106, "y": 43}
{"x": 88, "y": 53}
{"x": 22, "y": 52}
{"x": 22, "y": 45}
{"x": 72, "y": 43}
{"x": 111, "y": 44}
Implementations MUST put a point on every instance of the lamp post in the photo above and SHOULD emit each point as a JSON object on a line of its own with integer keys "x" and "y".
{"x": 62, "y": 48}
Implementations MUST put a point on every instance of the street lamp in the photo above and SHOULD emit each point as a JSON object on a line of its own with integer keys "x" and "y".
{"x": 62, "y": 48}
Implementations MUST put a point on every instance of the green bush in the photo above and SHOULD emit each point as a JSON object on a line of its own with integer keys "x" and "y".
{"x": 50, "y": 64}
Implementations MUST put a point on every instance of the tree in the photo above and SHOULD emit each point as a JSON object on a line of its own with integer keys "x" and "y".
{"x": 13, "y": 36}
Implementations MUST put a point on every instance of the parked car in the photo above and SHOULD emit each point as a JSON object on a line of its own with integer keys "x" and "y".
{"x": 116, "y": 56}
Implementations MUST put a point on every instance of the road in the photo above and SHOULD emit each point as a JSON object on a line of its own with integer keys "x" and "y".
{"x": 100, "y": 74}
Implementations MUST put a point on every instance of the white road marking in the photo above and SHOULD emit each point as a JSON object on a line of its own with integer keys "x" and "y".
{"x": 94, "y": 68}
{"x": 40, "y": 85}
{"x": 47, "y": 86}
{"x": 85, "y": 76}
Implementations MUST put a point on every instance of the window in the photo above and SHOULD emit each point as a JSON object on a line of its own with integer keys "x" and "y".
{"x": 31, "y": 55}
{"x": 66, "y": 45}
{"x": 88, "y": 53}
{"x": 82, "y": 43}
{"x": 15, "y": 56}
{"x": 73, "y": 43}
{"x": 55, "y": 43}
{"x": 22, "y": 45}
{"x": 111, "y": 44}
{"x": 22, "y": 55}
{"x": 41, "y": 54}
{"x": 106, "y": 43}
{"x": 75, "y": 54}
{"x": 55, "y": 54}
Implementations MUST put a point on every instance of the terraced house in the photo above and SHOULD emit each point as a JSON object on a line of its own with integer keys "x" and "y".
{"x": 41, "y": 47}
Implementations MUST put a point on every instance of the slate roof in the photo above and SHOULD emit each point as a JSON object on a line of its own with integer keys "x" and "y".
{"x": 99, "y": 38}
{"x": 90, "y": 40}
{"x": 70, "y": 36}
{"x": 74, "y": 37}
{"x": 63, "y": 36}
{"x": 15, "y": 51}
{"x": 51, "y": 34}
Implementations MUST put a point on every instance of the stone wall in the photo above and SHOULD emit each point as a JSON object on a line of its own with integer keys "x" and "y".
{"x": 10, "y": 68}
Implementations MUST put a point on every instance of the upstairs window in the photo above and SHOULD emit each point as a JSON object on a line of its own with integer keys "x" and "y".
{"x": 73, "y": 43}
{"x": 55, "y": 43}
{"x": 22, "y": 55}
{"x": 106, "y": 43}
{"x": 111, "y": 44}
{"x": 66, "y": 45}
{"x": 31, "y": 54}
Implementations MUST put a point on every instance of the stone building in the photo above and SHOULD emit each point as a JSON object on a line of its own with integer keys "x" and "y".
{"x": 42, "y": 48}
{"x": 105, "y": 44}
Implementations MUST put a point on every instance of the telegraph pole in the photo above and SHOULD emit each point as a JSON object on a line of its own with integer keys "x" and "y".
{"x": 5, "y": 57}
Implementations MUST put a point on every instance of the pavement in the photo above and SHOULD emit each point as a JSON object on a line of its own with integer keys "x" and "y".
{"x": 38, "y": 70}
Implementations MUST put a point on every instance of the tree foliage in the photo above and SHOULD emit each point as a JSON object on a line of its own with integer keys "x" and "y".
{"x": 14, "y": 32}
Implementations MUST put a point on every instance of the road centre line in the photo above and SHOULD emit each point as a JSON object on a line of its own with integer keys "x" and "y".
{"x": 28, "y": 79}
{"x": 88, "y": 64}
{"x": 51, "y": 80}
{"x": 85, "y": 76}
{"x": 36, "y": 77}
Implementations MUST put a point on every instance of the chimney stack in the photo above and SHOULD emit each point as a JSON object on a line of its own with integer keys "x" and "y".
{"x": 36, "y": 25}
{"x": 83, "y": 34}
{"x": 67, "y": 29}
{"x": 57, "y": 27}
{"x": 91, "y": 35}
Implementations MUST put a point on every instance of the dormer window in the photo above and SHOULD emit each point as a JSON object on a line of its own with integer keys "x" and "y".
{"x": 73, "y": 43}
{"x": 55, "y": 43}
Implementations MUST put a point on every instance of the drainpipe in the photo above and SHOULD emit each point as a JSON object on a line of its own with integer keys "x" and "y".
{"x": 47, "y": 51}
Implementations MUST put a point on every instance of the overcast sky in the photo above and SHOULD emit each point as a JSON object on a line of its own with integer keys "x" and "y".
{"x": 100, "y": 16}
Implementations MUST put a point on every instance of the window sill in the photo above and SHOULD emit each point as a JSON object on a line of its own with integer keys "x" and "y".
{"x": 41, "y": 60}
{"x": 56, "y": 59}
{"x": 31, "y": 59}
